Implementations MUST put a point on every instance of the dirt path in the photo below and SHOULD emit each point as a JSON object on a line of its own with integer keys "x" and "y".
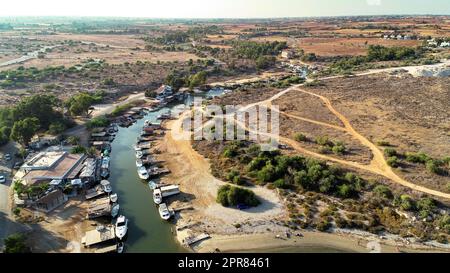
{"x": 378, "y": 164}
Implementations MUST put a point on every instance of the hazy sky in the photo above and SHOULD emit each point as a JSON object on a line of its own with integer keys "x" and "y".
{"x": 220, "y": 8}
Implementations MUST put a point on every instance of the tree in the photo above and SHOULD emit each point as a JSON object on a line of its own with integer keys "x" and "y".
{"x": 78, "y": 150}
{"x": 56, "y": 128}
{"x": 80, "y": 104}
{"x": 16, "y": 243}
{"x": 265, "y": 62}
{"x": 40, "y": 107}
{"x": 24, "y": 130}
{"x": 197, "y": 79}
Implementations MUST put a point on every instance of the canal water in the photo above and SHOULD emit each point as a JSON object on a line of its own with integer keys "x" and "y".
{"x": 147, "y": 231}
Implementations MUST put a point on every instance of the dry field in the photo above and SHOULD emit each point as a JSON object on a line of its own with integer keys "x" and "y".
{"x": 409, "y": 113}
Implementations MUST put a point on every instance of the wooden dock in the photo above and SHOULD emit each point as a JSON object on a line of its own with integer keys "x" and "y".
{"x": 95, "y": 192}
{"x": 99, "y": 208}
{"x": 107, "y": 249}
{"x": 95, "y": 236}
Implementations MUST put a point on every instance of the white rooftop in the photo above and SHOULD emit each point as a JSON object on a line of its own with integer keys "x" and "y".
{"x": 44, "y": 160}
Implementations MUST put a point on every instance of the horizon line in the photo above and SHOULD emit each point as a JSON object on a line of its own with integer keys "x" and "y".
{"x": 220, "y": 18}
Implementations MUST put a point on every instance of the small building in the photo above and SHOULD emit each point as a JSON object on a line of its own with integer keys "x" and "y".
{"x": 48, "y": 166}
{"x": 164, "y": 91}
{"x": 51, "y": 201}
{"x": 287, "y": 54}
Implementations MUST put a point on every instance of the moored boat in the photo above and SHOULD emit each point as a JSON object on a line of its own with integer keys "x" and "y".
{"x": 164, "y": 211}
{"x": 115, "y": 210}
{"x": 106, "y": 186}
{"x": 113, "y": 197}
{"x": 120, "y": 247}
{"x": 121, "y": 227}
{"x": 139, "y": 163}
{"x": 152, "y": 185}
{"x": 143, "y": 174}
{"x": 157, "y": 197}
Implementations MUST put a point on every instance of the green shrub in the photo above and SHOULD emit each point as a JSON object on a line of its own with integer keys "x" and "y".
{"x": 417, "y": 157}
{"x": 97, "y": 122}
{"x": 383, "y": 143}
{"x": 232, "y": 196}
{"x": 323, "y": 140}
{"x": 78, "y": 150}
{"x": 300, "y": 137}
{"x": 281, "y": 183}
{"x": 433, "y": 166}
{"x": 393, "y": 161}
{"x": 390, "y": 152}
{"x": 407, "y": 203}
{"x": 383, "y": 191}
{"x": 338, "y": 149}
{"x": 16, "y": 243}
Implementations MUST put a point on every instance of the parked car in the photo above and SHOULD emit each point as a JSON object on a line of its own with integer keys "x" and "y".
{"x": 2, "y": 179}
{"x": 7, "y": 157}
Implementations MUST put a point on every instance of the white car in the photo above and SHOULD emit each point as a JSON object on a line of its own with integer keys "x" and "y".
{"x": 2, "y": 179}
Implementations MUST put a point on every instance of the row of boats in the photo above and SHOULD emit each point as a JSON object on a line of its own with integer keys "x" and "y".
{"x": 147, "y": 167}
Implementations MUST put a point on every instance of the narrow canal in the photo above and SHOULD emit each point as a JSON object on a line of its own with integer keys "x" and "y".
{"x": 147, "y": 231}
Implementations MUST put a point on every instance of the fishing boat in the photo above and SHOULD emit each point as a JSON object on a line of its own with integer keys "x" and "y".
{"x": 152, "y": 185}
{"x": 164, "y": 116}
{"x": 157, "y": 197}
{"x": 115, "y": 210}
{"x": 120, "y": 247}
{"x": 113, "y": 197}
{"x": 164, "y": 211}
{"x": 106, "y": 186}
{"x": 121, "y": 227}
{"x": 104, "y": 173}
{"x": 143, "y": 174}
{"x": 139, "y": 163}
{"x": 105, "y": 162}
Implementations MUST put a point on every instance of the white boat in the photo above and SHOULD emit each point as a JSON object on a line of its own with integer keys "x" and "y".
{"x": 106, "y": 186}
{"x": 139, "y": 154}
{"x": 143, "y": 174}
{"x": 157, "y": 197}
{"x": 104, "y": 173}
{"x": 139, "y": 163}
{"x": 115, "y": 210}
{"x": 120, "y": 247}
{"x": 105, "y": 162}
{"x": 152, "y": 185}
{"x": 121, "y": 227}
{"x": 164, "y": 211}
{"x": 113, "y": 197}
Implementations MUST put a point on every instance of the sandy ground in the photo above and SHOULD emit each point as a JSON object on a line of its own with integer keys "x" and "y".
{"x": 192, "y": 172}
